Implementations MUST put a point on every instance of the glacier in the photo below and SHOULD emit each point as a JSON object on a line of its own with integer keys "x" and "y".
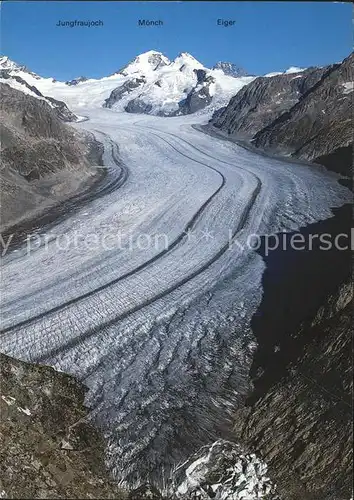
{"x": 160, "y": 335}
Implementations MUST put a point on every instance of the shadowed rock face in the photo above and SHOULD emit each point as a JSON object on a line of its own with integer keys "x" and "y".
{"x": 302, "y": 424}
{"x": 138, "y": 106}
{"x": 48, "y": 448}
{"x": 320, "y": 124}
{"x": 121, "y": 91}
{"x": 199, "y": 97}
{"x": 43, "y": 161}
{"x": 298, "y": 417}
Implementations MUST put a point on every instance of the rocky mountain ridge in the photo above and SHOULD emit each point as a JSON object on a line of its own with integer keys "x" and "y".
{"x": 307, "y": 114}
{"x": 320, "y": 124}
{"x": 230, "y": 69}
{"x": 259, "y": 103}
{"x": 59, "y": 107}
{"x": 8, "y": 65}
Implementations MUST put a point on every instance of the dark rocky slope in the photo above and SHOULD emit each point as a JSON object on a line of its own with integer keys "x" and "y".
{"x": 298, "y": 417}
{"x": 43, "y": 161}
{"x": 257, "y": 104}
{"x": 320, "y": 124}
{"x": 307, "y": 115}
{"x": 48, "y": 448}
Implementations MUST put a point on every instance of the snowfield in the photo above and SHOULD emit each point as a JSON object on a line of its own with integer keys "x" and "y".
{"x": 159, "y": 333}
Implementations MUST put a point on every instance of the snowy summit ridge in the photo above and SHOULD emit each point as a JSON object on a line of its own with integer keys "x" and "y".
{"x": 292, "y": 69}
{"x": 150, "y": 83}
{"x": 7, "y": 64}
{"x": 148, "y": 61}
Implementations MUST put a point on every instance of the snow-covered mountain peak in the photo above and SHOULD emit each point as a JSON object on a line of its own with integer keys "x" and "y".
{"x": 184, "y": 58}
{"x": 187, "y": 55}
{"x": 7, "y": 64}
{"x": 145, "y": 63}
{"x": 230, "y": 69}
{"x": 152, "y": 54}
{"x": 12, "y": 67}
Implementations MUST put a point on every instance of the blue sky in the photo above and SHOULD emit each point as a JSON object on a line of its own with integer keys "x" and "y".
{"x": 267, "y": 36}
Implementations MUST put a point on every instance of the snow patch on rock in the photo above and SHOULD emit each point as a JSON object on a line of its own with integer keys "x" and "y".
{"x": 292, "y": 69}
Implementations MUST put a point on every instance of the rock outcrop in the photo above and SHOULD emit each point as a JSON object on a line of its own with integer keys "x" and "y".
{"x": 127, "y": 87}
{"x": 138, "y": 106}
{"x": 43, "y": 161}
{"x": 80, "y": 79}
{"x": 200, "y": 96}
{"x": 48, "y": 447}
